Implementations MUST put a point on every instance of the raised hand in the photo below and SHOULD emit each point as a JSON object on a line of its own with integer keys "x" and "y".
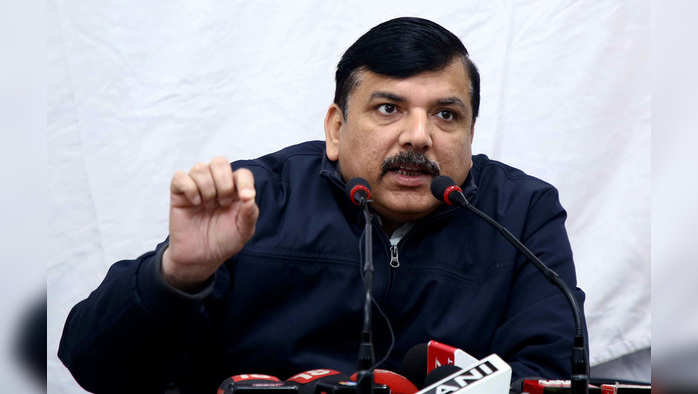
{"x": 212, "y": 214}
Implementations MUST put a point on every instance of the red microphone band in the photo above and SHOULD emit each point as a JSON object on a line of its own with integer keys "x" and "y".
{"x": 357, "y": 188}
{"x": 254, "y": 376}
{"x": 448, "y": 191}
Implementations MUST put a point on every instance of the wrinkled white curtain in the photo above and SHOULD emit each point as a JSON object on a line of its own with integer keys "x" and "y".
{"x": 138, "y": 90}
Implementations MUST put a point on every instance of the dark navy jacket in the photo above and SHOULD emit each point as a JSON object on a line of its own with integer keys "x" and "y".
{"x": 292, "y": 299}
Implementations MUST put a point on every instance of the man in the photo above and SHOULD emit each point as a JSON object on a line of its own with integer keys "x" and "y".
{"x": 260, "y": 273}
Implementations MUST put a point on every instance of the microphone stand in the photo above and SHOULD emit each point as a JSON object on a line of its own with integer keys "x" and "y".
{"x": 364, "y": 375}
{"x": 580, "y": 358}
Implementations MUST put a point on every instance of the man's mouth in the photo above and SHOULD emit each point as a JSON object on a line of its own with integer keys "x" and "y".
{"x": 410, "y": 164}
{"x": 410, "y": 172}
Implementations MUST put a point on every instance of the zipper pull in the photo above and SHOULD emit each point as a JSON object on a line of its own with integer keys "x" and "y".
{"x": 394, "y": 261}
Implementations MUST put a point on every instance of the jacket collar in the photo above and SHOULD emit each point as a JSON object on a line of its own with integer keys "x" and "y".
{"x": 329, "y": 170}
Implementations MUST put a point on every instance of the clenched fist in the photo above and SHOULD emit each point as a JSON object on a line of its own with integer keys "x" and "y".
{"x": 212, "y": 214}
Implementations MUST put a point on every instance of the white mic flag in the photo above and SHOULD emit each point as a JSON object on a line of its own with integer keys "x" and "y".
{"x": 491, "y": 375}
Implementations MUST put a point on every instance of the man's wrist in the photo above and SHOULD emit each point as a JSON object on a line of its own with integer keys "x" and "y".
{"x": 186, "y": 283}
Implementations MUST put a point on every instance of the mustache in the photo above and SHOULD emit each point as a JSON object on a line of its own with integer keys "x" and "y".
{"x": 412, "y": 160}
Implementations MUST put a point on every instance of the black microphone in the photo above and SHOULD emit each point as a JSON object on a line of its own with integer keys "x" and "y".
{"x": 359, "y": 191}
{"x": 446, "y": 190}
{"x": 414, "y": 364}
{"x": 440, "y": 373}
{"x": 423, "y": 358}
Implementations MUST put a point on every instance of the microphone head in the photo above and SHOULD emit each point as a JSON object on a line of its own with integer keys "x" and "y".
{"x": 516, "y": 386}
{"x": 442, "y": 187}
{"x": 358, "y": 189}
{"x": 414, "y": 364}
{"x": 232, "y": 383}
{"x": 397, "y": 383}
{"x": 440, "y": 373}
{"x": 307, "y": 381}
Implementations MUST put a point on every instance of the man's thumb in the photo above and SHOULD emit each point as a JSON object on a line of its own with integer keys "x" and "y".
{"x": 247, "y": 218}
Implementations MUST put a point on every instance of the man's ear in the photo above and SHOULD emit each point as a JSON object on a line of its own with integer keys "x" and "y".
{"x": 334, "y": 120}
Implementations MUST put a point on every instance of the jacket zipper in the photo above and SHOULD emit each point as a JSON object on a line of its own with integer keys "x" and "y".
{"x": 394, "y": 262}
{"x": 395, "y": 241}
{"x": 394, "y": 258}
{"x": 394, "y": 248}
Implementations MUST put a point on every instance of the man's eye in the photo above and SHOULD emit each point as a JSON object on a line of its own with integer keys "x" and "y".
{"x": 387, "y": 109}
{"x": 446, "y": 115}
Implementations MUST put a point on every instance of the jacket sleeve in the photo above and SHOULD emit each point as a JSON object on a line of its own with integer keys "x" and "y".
{"x": 133, "y": 329}
{"x": 536, "y": 334}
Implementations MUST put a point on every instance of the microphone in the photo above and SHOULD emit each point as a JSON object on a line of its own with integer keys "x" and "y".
{"x": 440, "y": 373}
{"x": 348, "y": 387}
{"x": 544, "y": 386}
{"x": 397, "y": 383}
{"x": 329, "y": 381}
{"x": 489, "y": 375}
{"x": 446, "y": 190}
{"x": 308, "y": 380}
{"x": 423, "y": 358}
{"x": 255, "y": 384}
{"x": 538, "y": 385}
{"x": 414, "y": 364}
{"x": 359, "y": 191}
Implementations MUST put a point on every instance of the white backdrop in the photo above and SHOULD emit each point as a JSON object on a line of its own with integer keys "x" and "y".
{"x": 138, "y": 90}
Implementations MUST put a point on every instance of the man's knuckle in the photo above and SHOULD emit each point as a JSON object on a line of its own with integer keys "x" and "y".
{"x": 225, "y": 188}
{"x": 179, "y": 180}
{"x": 244, "y": 175}
{"x": 199, "y": 167}
{"x": 208, "y": 188}
{"x": 220, "y": 160}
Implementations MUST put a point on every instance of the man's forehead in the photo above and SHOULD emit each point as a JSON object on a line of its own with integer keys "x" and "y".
{"x": 450, "y": 83}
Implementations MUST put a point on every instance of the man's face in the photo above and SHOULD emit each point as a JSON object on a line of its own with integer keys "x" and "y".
{"x": 392, "y": 125}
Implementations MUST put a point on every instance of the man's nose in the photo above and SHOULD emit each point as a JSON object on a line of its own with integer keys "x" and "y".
{"x": 416, "y": 132}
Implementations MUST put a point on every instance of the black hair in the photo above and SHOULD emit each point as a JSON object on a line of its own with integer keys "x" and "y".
{"x": 401, "y": 48}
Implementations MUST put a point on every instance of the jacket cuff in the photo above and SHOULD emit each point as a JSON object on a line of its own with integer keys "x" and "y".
{"x": 160, "y": 295}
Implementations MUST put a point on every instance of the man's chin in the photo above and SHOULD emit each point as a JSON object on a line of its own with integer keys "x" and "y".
{"x": 402, "y": 210}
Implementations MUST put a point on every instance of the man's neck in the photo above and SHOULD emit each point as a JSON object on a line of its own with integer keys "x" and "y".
{"x": 389, "y": 226}
{"x": 389, "y": 229}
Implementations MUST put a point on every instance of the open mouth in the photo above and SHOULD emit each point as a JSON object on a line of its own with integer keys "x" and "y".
{"x": 410, "y": 172}
{"x": 410, "y": 164}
